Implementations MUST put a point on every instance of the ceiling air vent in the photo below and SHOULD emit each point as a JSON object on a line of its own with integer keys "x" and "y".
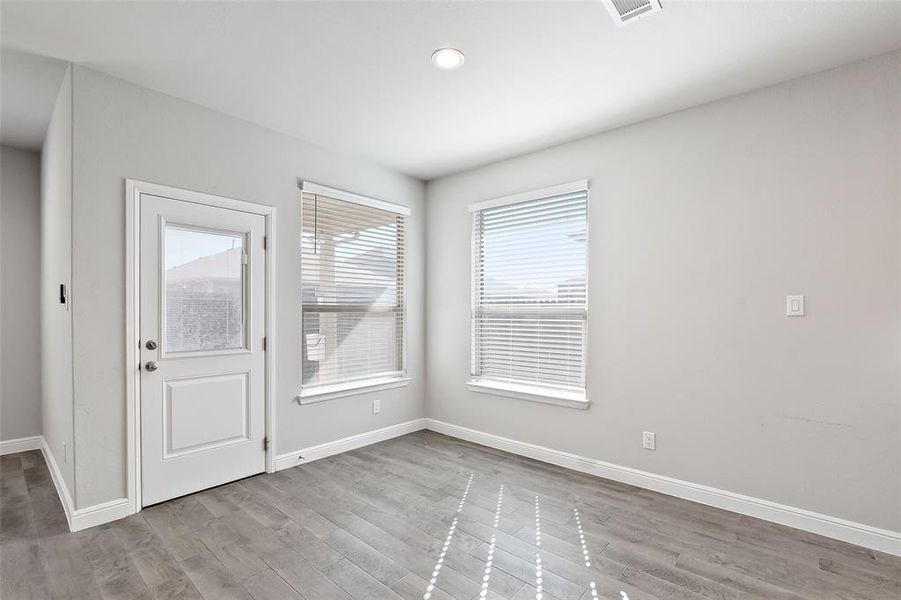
{"x": 629, "y": 11}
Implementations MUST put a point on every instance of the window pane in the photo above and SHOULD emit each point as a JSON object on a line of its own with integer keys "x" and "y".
{"x": 348, "y": 346}
{"x": 530, "y": 292}
{"x": 204, "y": 282}
{"x": 353, "y": 291}
{"x": 534, "y": 252}
{"x": 539, "y": 349}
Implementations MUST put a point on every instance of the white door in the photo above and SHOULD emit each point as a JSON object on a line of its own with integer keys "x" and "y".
{"x": 202, "y": 320}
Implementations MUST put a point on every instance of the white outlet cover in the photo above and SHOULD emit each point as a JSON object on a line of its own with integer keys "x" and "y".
{"x": 649, "y": 440}
{"x": 376, "y": 406}
{"x": 794, "y": 305}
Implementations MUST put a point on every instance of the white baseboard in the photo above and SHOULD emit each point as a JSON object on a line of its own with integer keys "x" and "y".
{"x": 98, "y": 514}
{"x": 23, "y": 444}
{"x": 81, "y": 518}
{"x": 305, "y": 455}
{"x": 113, "y": 510}
{"x": 833, "y": 527}
{"x": 56, "y": 475}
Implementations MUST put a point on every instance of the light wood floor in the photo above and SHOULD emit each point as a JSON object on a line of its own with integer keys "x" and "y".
{"x": 373, "y": 523}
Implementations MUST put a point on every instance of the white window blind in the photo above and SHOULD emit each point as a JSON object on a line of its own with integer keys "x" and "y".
{"x": 530, "y": 290}
{"x": 352, "y": 275}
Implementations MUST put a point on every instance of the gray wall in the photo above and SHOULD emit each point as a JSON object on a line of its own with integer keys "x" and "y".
{"x": 56, "y": 268}
{"x": 700, "y": 223}
{"x": 20, "y": 262}
{"x": 125, "y": 131}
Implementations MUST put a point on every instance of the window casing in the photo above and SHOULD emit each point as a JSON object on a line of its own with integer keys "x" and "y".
{"x": 529, "y": 294}
{"x": 353, "y": 291}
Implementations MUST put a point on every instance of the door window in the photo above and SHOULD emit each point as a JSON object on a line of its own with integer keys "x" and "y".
{"x": 203, "y": 295}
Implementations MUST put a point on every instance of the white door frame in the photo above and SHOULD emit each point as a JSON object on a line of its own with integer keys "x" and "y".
{"x": 133, "y": 191}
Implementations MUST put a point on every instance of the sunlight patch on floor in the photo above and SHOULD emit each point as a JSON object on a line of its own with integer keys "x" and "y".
{"x": 447, "y": 542}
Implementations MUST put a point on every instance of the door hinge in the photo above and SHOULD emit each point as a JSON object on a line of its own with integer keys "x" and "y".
{"x": 244, "y": 259}
{"x": 265, "y": 344}
{"x": 265, "y": 242}
{"x": 265, "y": 443}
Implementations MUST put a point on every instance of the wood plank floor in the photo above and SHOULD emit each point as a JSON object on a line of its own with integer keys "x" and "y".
{"x": 386, "y": 520}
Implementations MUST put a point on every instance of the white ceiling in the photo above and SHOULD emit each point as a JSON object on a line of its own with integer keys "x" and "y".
{"x": 29, "y": 85}
{"x": 356, "y": 77}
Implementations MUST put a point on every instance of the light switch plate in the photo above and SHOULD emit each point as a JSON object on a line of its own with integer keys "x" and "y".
{"x": 794, "y": 305}
{"x": 376, "y": 406}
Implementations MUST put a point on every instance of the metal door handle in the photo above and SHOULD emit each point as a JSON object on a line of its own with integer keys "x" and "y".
{"x": 151, "y": 365}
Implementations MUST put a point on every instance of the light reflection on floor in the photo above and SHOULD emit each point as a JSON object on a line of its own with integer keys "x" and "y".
{"x": 447, "y": 541}
{"x": 497, "y": 519}
{"x": 539, "y": 579}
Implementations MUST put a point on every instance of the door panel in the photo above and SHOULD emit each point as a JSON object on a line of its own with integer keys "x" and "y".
{"x": 202, "y": 325}
{"x": 190, "y": 402}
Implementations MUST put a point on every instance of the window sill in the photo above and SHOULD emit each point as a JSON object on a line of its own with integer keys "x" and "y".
{"x": 330, "y": 392}
{"x": 530, "y": 393}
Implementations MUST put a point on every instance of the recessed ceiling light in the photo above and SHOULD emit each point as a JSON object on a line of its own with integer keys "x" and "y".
{"x": 448, "y": 59}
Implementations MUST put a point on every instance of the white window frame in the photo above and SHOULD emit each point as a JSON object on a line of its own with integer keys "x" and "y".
{"x": 534, "y": 393}
{"x": 374, "y": 384}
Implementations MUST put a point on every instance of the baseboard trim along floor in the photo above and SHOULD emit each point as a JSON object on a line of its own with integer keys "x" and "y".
{"x": 833, "y": 527}
{"x": 78, "y": 519}
{"x": 62, "y": 490}
{"x": 369, "y": 522}
{"x": 305, "y": 455}
{"x": 23, "y": 444}
{"x": 98, "y": 514}
{"x": 825, "y": 525}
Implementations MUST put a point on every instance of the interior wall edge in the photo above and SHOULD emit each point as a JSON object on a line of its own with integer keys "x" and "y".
{"x": 57, "y": 429}
{"x": 72, "y": 284}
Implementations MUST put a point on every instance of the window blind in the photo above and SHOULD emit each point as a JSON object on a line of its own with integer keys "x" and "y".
{"x": 529, "y": 291}
{"x": 352, "y": 274}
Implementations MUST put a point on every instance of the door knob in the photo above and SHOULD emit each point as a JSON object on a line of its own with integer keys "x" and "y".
{"x": 151, "y": 365}
{"x": 150, "y": 345}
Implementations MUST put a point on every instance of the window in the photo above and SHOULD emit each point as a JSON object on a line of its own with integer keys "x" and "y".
{"x": 354, "y": 306}
{"x": 203, "y": 304}
{"x": 529, "y": 294}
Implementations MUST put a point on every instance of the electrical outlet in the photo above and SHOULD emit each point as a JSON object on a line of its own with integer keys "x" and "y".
{"x": 649, "y": 440}
{"x": 376, "y": 407}
{"x": 794, "y": 305}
